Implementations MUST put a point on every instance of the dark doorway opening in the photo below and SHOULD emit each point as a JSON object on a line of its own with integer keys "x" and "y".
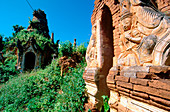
{"x": 29, "y": 61}
{"x": 107, "y": 38}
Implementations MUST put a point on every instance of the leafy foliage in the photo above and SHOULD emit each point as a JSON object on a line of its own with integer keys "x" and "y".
{"x": 73, "y": 92}
{"x": 7, "y": 69}
{"x": 24, "y": 36}
{"x": 17, "y": 29}
{"x": 45, "y": 90}
{"x": 66, "y": 48}
{"x": 105, "y": 104}
{"x": 81, "y": 49}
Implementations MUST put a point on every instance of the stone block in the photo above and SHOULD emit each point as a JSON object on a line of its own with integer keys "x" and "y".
{"x": 159, "y": 69}
{"x": 139, "y": 81}
{"x": 160, "y": 84}
{"x": 124, "y": 84}
{"x": 122, "y": 78}
{"x": 110, "y": 78}
{"x": 141, "y": 75}
{"x": 135, "y": 68}
{"x": 129, "y": 74}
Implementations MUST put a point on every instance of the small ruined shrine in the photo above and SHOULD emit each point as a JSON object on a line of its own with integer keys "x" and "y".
{"x": 31, "y": 56}
{"x": 128, "y": 56}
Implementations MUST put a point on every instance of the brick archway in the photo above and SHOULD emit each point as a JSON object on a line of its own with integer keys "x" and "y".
{"x": 105, "y": 52}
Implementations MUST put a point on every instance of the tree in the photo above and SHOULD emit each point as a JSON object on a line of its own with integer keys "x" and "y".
{"x": 17, "y": 29}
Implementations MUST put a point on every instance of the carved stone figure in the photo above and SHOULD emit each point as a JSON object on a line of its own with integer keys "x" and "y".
{"x": 129, "y": 41}
{"x": 149, "y": 19}
{"x": 142, "y": 19}
{"x": 146, "y": 48}
{"x": 135, "y": 36}
{"x": 91, "y": 53}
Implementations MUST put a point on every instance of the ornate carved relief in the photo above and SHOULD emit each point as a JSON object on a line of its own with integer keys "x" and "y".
{"x": 143, "y": 29}
{"x": 144, "y": 42}
{"x": 91, "y": 53}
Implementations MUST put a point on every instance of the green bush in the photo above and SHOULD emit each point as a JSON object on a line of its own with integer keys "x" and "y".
{"x": 66, "y": 48}
{"x": 7, "y": 69}
{"x": 44, "y": 90}
{"x": 31, "y": 92}
{"x": 73, "y": 92}
{"x": 81, "y": 49}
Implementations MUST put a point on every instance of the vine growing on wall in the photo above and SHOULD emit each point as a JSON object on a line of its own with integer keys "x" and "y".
{"x": 25, "y": 35}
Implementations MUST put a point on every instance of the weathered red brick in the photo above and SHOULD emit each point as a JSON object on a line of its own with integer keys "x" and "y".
{"x": 139, "y": 81}
{"x": 159, "y": 105}
{"x": 110, "y": 78}
{"x": 115, "y": 72}
{"x": 123, "y": 89}
{"x": 162, "y": 84}
{"x": 111, "y": 86}
{"x": 141, "y": 75}
{"x": 139, "y": 98}
{"x": 124, "y": 84}
{"x": 122, "y": 78}
{"x": 152, "y": 91}
{"x": 140, "y": 94}
{"x": 159, "y": 69}
{"x": 160, "y": 100}
{"x": 124, "y": 93}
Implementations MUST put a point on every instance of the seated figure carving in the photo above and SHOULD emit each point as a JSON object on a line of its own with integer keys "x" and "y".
{"x": 129, "y": 42}
{"x": 145, "y": 49}
{"x": 91, "y": 53}
{"x": 147, "y": 32}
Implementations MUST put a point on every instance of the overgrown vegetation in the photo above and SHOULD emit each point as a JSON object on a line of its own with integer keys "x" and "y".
{"x": 45, "y": 90}
{"x": 9, "y": 50}
{"x": 7, "y": 69}
{"x": 25, "y": 35}
{"x": 66, "y": 48}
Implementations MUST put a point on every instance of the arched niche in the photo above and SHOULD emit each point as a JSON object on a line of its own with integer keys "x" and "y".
{"x": 104, "y": 52}
{"x": 106, "y": 32}
{"x": 29, "y": 61}
{"x": 161, "y": 53}
{"x": 166, "y": 56}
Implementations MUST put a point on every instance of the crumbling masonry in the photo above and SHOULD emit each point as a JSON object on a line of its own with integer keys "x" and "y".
{"x": 128, "y": 56}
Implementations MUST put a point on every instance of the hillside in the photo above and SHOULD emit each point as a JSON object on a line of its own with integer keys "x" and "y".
{"x": 45, "y": 89}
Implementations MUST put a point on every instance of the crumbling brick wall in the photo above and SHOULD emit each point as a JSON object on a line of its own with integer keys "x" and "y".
{"x": 132, "y": 88}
